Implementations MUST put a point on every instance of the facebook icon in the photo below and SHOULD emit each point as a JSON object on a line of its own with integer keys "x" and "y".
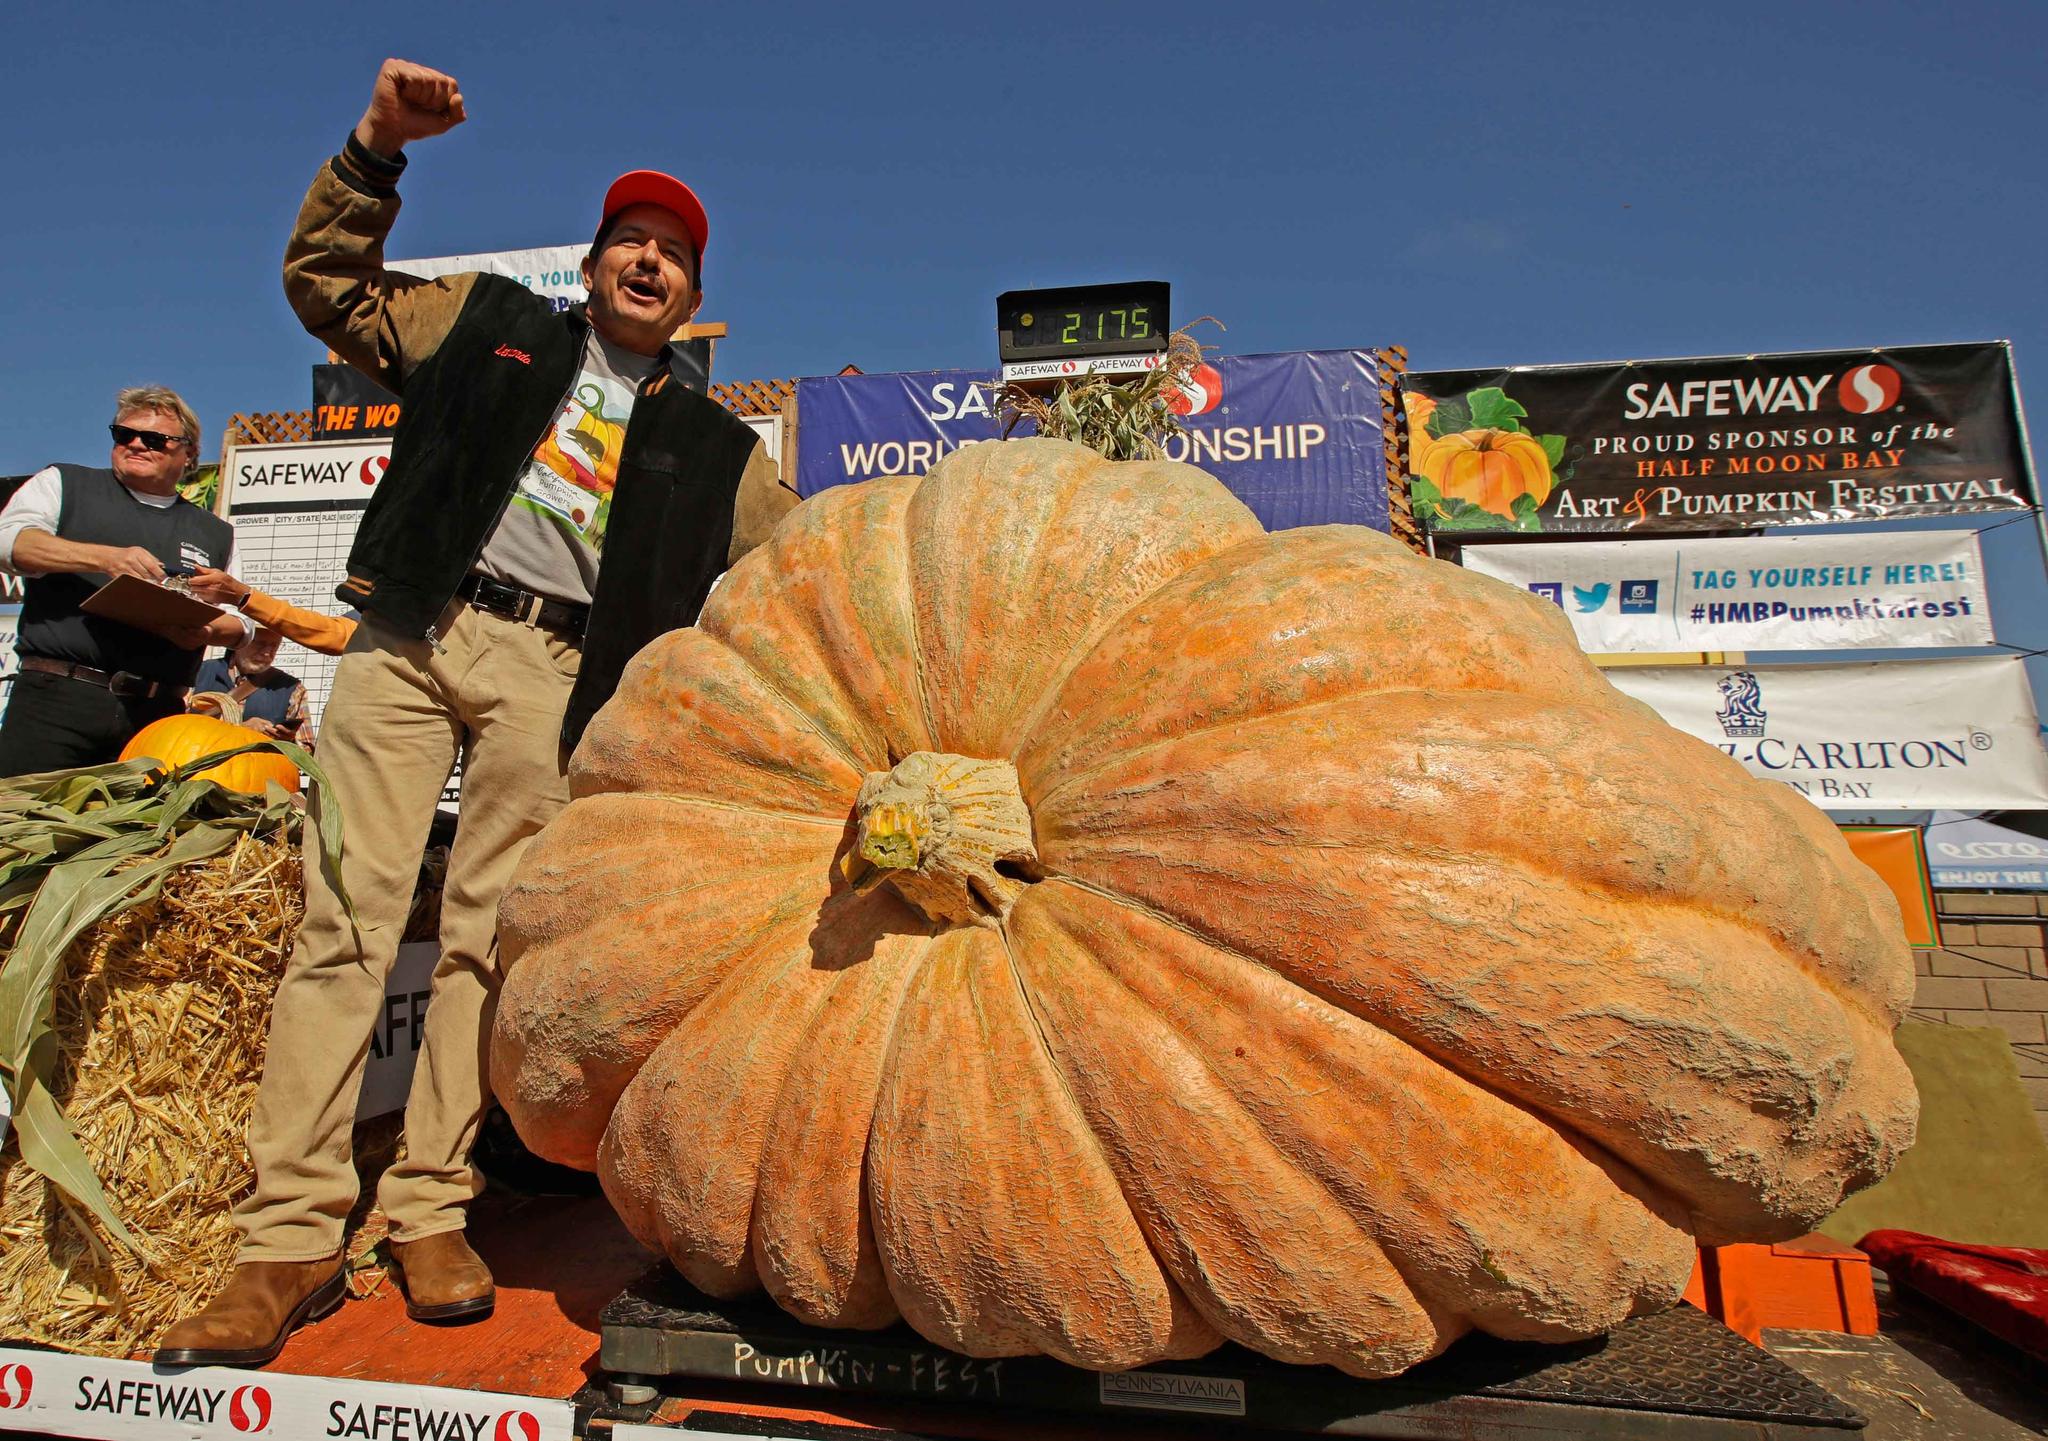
{"x": 1550, "y": 590}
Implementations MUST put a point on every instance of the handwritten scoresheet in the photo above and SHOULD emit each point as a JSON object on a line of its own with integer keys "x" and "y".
{"x": 295, "y": 509}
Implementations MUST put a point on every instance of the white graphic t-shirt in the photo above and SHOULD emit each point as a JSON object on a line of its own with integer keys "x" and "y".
{"x": 551, "y": 535}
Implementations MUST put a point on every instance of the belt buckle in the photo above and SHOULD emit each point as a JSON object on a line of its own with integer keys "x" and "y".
{"x": 501, "y": 598}
{"x": 122, "y": 683}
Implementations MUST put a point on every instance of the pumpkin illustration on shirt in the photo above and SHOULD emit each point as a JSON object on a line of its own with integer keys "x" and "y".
{"x": 576, "y": 464}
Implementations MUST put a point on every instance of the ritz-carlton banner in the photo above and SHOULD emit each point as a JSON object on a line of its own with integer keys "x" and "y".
{"x": 1719, "y": 443}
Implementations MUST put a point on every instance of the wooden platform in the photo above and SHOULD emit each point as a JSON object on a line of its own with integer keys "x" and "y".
{"x": 557, "y": 1261}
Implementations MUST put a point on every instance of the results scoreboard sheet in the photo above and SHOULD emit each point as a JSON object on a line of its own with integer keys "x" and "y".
{"x": 295, "y": 509}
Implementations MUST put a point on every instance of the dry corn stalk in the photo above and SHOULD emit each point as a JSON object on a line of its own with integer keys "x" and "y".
{"x": 1118, "y": 417}
{"x": 79, "y": 846}
{"x": 159, "y": 1018}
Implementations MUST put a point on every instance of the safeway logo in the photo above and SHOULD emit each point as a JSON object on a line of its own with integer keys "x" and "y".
{"x": 1869, "y": 388}
{"x": 17, "y": 1383}
{"x": 249, "y": 1408}
{"x": 1198, "y": 394}
{"x": 518, "y": 1426}
{"x": 372, "y": 469}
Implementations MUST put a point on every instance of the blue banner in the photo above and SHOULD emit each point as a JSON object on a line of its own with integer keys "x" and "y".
{"x": 1297, "y": 437}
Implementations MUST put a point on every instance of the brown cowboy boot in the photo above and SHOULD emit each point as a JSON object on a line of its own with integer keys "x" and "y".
{"x": 444, "y": 1279}
{"x": 262, "y": 1303}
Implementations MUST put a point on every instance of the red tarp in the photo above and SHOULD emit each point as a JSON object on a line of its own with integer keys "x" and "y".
{"x": 2003, "y": 1289}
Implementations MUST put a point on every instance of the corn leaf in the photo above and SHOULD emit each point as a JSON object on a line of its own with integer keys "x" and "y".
{"x": 77, "y": 847}
{"x": 47, "y": 1143}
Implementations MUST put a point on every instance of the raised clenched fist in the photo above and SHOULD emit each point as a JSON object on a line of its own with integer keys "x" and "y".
{"x": 410, "y": 102}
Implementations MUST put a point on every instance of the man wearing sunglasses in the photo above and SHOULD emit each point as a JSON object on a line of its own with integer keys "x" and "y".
{"x": 88, "y": 683}
{"x": 557, "y": 498}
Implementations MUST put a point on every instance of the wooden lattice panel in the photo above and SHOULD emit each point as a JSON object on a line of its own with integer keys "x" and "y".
{"x": 754, "y": 397}
{"x": 270, "y": 427}
{"x": 1394, "y": 428}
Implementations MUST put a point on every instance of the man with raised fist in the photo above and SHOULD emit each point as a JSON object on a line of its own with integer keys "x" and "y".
{"x": 557, "y": 498}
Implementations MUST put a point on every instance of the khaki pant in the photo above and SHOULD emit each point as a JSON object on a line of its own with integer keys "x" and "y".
{"x": 399, "y": 713}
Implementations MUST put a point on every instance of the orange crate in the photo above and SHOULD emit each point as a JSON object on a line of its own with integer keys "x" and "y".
{"x": 1808, "y": 1284}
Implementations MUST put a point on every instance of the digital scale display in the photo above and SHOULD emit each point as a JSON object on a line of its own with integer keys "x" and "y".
{"x": 1083, "y": 321}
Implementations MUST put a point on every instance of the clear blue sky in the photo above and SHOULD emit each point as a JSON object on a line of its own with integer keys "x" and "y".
{"x": 1486, "y": 184}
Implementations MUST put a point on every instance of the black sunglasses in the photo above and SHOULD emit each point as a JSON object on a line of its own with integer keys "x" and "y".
{"x": 151, "y": 439}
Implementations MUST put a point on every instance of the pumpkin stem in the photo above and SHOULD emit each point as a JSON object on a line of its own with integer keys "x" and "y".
{"x": 951, "y": 833}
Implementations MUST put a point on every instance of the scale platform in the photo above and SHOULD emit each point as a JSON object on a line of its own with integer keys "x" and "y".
{"x": 1681, "y": 1374}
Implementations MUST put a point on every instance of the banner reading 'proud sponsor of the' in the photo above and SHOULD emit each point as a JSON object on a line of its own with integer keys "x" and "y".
{"x": 1718, "y": 443}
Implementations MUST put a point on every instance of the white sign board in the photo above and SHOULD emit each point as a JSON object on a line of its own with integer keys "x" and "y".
{"x": 1823, "y": 592}
{"x": 1967, "y": 854}
{"x": 401, "y": 1026}
{"x": 1899, "y": 735}
{"x": 295, "y": 509}
{"x": 769, "y": 429}
{"x": 555, "y": 271}
{"x": 10, "y": 627}
{"x": 52, "y": 1393}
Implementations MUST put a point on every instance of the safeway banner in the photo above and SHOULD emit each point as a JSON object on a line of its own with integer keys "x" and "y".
{"x": 51, "y": 1393}
{"x": 1891, "y": 735}
{"x": 1298, "y": 437}
{"x": 1819, "y": 592}
{"x": 1718, "y": 443}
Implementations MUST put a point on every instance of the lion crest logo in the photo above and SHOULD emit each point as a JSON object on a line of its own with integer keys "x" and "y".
{"x": 1743, "y": 714}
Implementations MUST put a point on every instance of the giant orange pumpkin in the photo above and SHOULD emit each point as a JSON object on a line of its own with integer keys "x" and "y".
{"x": 1035, "y": 903}
{"x": 1489, "y": 468}
{"x": 179, "y": 738}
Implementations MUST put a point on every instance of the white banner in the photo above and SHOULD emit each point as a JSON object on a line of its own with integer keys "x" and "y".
{"x": 1899, "y": 735}
{"x": 401, "y": 1026}
{"x": 1968, "y": 854}
{"x": 295, "y": 509}
{"x": 306, "y": 473}
{"x": 1818, "y": 592}
{"x": 56, "y": 1394}
{"x": 555, "y": 271}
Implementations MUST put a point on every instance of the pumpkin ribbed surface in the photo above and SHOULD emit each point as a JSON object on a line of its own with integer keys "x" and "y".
{"x": 176, "y": 739}
{"x": 1035, "y": 903}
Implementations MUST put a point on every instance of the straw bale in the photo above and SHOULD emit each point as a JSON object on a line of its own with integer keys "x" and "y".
{"x": 161, "y": 1017}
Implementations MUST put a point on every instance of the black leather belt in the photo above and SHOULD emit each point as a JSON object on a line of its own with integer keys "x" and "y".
{"x": 499, "y": 598}
{"x": 120, "y": 682}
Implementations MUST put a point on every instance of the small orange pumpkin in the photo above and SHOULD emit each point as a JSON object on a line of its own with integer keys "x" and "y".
{"x": 1489, "y": 468}
{"x": 179, "y": 738}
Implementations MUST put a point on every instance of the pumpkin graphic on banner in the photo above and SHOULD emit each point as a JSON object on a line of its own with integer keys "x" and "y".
{"x": 1472, "y": 464}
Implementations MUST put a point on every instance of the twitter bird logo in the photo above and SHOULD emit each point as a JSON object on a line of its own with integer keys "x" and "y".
{"x": 1591, "y": 597}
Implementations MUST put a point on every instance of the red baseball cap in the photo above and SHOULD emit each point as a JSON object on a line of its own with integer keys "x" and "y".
{"x": 651, "y": 187}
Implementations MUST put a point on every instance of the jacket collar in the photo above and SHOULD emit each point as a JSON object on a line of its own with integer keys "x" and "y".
{"x": 671, "y": 358}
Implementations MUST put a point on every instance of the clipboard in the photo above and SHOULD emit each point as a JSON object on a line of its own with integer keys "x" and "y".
{"x": 148, "y": 606}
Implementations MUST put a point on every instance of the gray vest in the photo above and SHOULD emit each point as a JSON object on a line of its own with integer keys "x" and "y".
{"x": 98, "y": 510}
